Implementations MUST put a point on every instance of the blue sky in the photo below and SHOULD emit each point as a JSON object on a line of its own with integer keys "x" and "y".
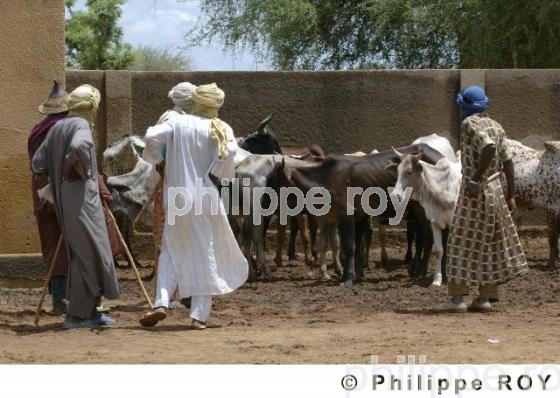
{"x": 163, "y": 23}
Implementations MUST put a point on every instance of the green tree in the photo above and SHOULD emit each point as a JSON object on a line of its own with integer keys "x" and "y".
{"x": 339, "y": 34}
{"x": 93, "y": 37}
{"x": 149, "y": 58}
{"x": 510, "y": 34}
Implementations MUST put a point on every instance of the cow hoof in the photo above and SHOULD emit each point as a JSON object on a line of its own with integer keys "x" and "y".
{"x": 326, "y": 277}
{"x": 411, "y": 271}
{"x": 293, "y": 263}
{"x": 348, "y": 283}
{"x": 436, "y": 282}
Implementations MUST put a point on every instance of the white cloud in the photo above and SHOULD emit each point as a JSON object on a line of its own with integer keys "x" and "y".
{"x": 164, "y": 23}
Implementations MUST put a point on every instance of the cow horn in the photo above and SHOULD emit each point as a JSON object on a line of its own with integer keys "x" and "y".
{"x": 302, "y": 156}
{"x": 265, "y": 122}
{"x": 400, "y": 155}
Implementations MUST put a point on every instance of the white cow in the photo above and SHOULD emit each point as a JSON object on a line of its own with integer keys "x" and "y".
{"x": 436, "y": 188}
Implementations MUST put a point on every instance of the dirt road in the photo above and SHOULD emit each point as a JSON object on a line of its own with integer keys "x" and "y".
{"x": 299, "y": 319}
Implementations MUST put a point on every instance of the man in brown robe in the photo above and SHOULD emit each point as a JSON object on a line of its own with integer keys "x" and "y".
{"x": 67, "y": 156}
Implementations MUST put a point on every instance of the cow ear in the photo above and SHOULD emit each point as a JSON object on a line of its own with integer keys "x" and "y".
{"x": 417, "y": 156}
{"x": 416, "y": 161}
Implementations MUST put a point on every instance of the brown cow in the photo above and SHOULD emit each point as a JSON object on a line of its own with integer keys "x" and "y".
{"x": 339, "y": 172}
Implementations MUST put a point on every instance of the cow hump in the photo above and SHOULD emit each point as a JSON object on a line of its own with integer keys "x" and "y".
{"x": 552, "y": 146}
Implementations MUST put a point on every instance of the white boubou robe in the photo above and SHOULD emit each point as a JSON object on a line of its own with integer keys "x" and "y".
{"x": 200, "y": 248}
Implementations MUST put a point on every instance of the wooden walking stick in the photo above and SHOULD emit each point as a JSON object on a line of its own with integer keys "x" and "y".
{"x": 129, "y": 256}
{"x": 47, "y": 280}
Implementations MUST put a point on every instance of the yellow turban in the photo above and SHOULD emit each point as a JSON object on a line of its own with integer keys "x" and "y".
{"x": 207, "y": 99}
{"x": 209, "y": 95}
{"x": 84, "y": 102}
{"x": 84, "y": 98}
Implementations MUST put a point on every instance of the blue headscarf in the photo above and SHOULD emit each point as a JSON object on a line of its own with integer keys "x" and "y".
{"x": 472, "y": 100}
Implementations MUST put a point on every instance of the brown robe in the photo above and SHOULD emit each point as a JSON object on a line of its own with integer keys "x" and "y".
{"x": 67, "y": 156}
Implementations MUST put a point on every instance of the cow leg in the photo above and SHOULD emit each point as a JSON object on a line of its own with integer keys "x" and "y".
{"x": 265, "y": 224}
{"x": 280, "y": 239}
{"x": 236, "y": 228}
{"x": 348, "y": 243}
{"x": 438, "y": 251}
{"x": 303, "y": 230}
{"x": 126, "y": 230}
{"x": 258, "y": 238}
{"x": 313, "y": 225}
{"x": 410, "y": 235}
{"x": 324, "y": 235}
{"x": 335, "y": 247}
{"x": 294, "y": 227}
{"x": 122, "y": 225}
{"x": 383, "y": 243}
{"x": 361, "y": 259}
{"x": 247, "y": 229}
{"x": 558, "y": 232}
{"x": 426, "y": 247}
{"x": 552, "y": 223}
{"x": 445, "y": 238}
{"x": 414, "y": 268}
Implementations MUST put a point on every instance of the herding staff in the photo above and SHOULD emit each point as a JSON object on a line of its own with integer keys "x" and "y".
{"x": 128, "y": 255}
{"x": 49, "y": 274}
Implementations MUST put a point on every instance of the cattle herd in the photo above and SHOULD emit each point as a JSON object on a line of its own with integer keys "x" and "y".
{"x": 428, "y": 165}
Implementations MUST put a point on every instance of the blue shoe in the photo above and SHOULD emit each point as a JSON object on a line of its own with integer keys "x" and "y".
{"x": 95, "y": 323}
{"x": 101, "y": 320}
{"x": 104, "y": 320}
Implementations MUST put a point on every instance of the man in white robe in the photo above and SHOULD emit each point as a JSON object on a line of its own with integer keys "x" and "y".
{"x": 199, "y": 253}
{"x": 181, "y": 95}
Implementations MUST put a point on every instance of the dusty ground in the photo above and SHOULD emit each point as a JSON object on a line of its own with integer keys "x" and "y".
{"x": 298, "y": 319}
